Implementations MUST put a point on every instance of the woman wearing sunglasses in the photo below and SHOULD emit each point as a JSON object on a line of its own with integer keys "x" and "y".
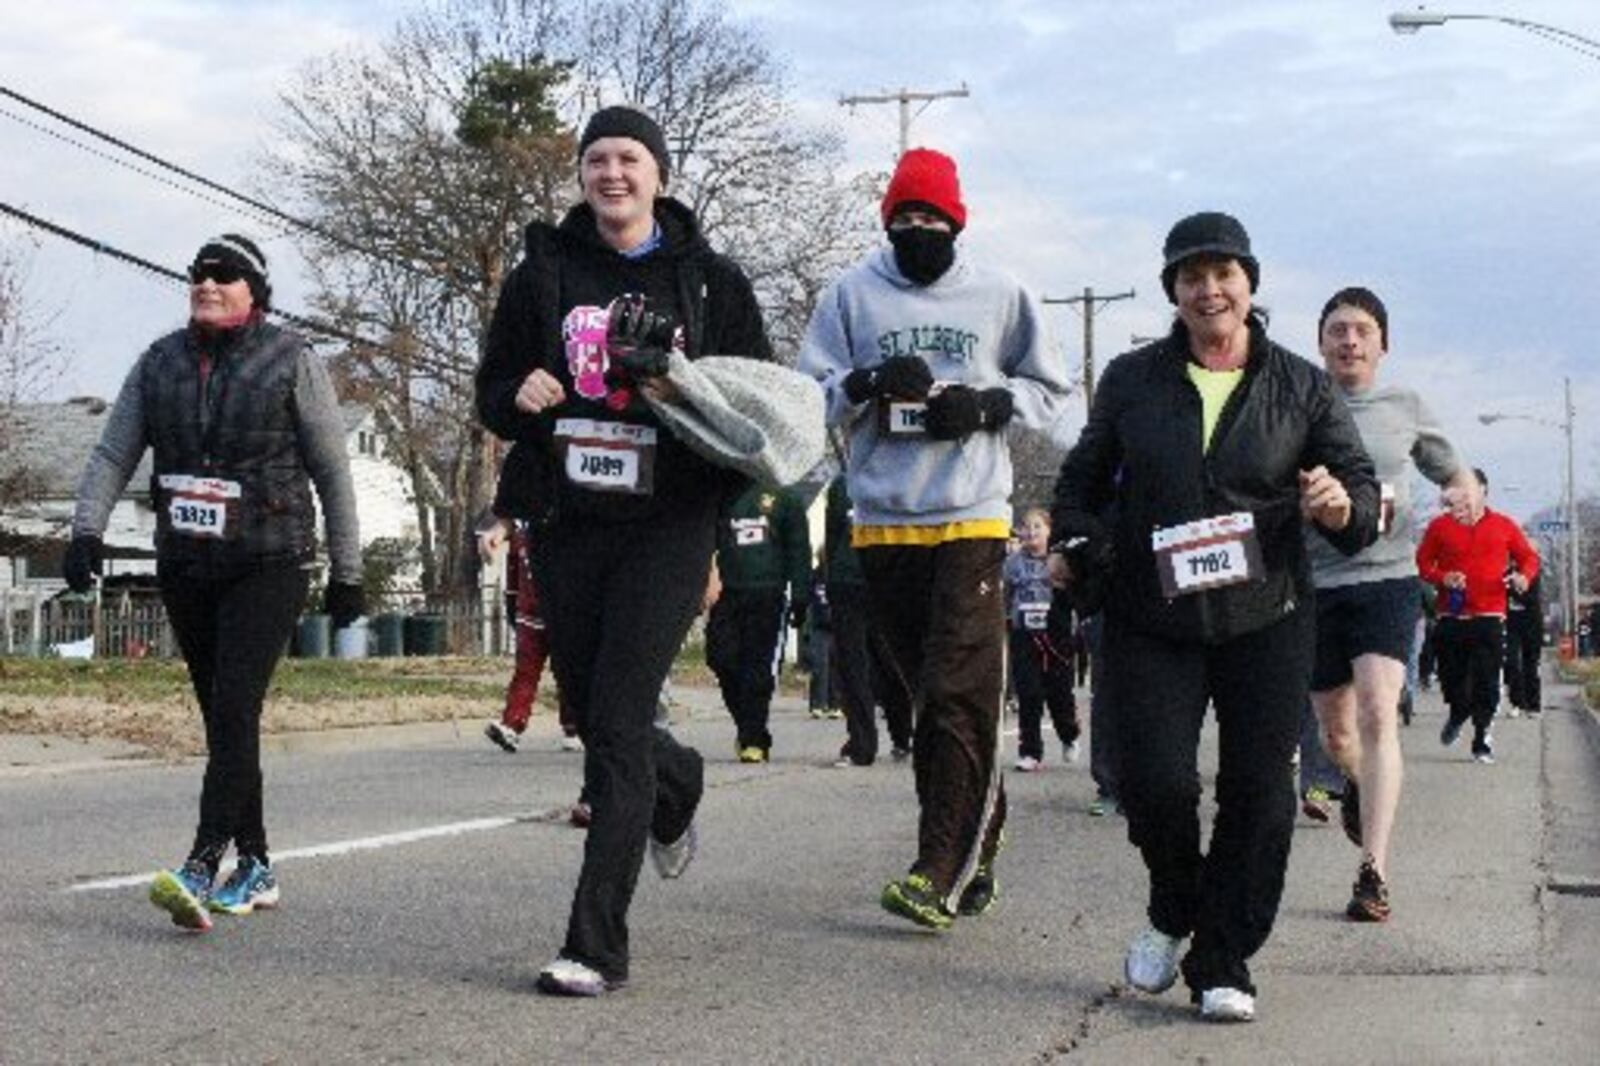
{"x": 242, "y": 420}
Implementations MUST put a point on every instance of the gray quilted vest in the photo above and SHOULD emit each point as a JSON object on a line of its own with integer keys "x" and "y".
{"x": 230, "y": 490}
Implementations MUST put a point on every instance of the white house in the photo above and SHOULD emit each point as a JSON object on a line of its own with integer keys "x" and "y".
{"x": 48, "y": 446}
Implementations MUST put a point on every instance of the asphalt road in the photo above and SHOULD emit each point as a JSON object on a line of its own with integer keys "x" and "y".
{"x": 426, "y": 877}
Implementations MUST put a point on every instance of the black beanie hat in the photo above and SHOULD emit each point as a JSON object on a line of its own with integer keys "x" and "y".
{"x": 630, "y": 122}
{"x": 1362, "y": 299}
{"x": 243, "y": 255}
{"x": 1207, "y": 233}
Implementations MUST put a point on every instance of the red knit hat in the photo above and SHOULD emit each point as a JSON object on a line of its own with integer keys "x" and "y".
{"x": 926, "y": 178}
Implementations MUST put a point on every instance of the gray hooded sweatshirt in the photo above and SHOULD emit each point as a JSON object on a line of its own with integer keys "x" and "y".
{"x": 974, "y": 326}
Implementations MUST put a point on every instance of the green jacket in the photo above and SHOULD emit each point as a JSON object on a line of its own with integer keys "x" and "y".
{"x": 763, "y": 541}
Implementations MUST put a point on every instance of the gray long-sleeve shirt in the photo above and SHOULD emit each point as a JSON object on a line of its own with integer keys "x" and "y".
{"x": 1398, "y": 430}
{"x": 320, "y": 432}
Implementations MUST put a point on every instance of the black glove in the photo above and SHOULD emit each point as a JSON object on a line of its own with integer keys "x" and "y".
{"x": 903, "y": 377}
{"x": 797, "y": 612}
{"x": 639, "y": 337}
{"x": 345, "y": 603}
{"x": 958, "y": 411}
{"x": 82, "y": 563}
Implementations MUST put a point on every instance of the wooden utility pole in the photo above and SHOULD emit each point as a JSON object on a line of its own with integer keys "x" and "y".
{"x": 904, "y": 98}
{"x": 1090, "y": 303}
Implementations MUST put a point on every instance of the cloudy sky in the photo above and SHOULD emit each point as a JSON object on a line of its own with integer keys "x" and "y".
{"x": 1453, "y": 171}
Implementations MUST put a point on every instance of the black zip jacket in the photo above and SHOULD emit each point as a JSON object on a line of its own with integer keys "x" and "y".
{"x": 569, "y": 266}
{"x": 1141, "y": 455}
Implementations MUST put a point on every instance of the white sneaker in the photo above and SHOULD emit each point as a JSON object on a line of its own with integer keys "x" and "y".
{"x": 1028, "y": 764}
{"x": 1513, "y": 712}
{"x": 1071, "y": 753}
{"x": 507, "y": 739}
{"x": 571, "y": 743}
{"x": 1152, "y": 962}
{"x": 565, "y": 977}
{"x": 674, "y": 858}
{"x": 1227, "y": 1005}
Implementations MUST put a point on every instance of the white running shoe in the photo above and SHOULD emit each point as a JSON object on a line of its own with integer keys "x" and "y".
{"x": 1513, "y": 711}
{"x": 571, "y": 743}
{"x": 674, "y": 858}
{"x": 1028, "y": 764}
{"x": 1152, "y": 962}
{"x": 566, "y": 977}
{"x": 1071, "y": 753}
{"x": 506, "y": 738}
{"x": 1227, "y": 1005}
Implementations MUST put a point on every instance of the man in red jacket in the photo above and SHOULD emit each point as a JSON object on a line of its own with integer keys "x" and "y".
{"x": 1464, "y": 553}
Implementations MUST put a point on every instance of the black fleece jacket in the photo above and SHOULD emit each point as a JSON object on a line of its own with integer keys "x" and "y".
{"x": 1140, "y": 459}
{"x": 567, "y": 267}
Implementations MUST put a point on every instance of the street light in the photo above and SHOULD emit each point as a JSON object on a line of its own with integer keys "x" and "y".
{"x": 1409, "y": 22}
{"x": 1574, "y": 534}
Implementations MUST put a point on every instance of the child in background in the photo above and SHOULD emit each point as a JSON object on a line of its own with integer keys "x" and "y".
{"x": 1041, "y": 657}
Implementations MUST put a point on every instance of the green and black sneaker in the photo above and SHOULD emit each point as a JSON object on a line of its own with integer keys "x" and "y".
{"x": 915, "y": 898}
{"x": 980, "y": 893}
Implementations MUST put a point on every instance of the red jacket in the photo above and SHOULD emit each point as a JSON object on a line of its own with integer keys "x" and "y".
{"x": 1480, "y": 552}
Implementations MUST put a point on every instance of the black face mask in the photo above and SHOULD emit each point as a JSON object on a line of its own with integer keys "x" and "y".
{"x": 923, "y": 254}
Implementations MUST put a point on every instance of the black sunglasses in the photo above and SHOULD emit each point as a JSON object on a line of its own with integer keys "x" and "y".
{"x": 221, "y": 273}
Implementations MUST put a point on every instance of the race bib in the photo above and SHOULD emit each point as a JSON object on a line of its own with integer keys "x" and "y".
{"x": 902, "y": 418}
{"x": 1035, "y": 616}
{"x": 200, "y": 506}
{"x": 749, "y": 532}
{"x": 1208, "y": 553}
{"x": 607, "y": 456}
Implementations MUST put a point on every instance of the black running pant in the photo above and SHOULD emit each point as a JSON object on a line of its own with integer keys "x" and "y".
{"x": 941, "y": 611}
{"x": 1469, "y": 671}
{"x": 1524, "y": 645}
{"x": 1228, "y": 896}
{"x": 619, "y": 600}
{"x": 232, "y": 634}
{"x": 743, "y": 648}
{"x": 1042, "y": 677}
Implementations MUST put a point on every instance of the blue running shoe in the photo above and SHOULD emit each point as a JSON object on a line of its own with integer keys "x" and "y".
{"x": 252, "y": 885}
{"x": 183, "y": 893}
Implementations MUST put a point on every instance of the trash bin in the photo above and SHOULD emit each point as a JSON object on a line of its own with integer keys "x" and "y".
{"x": 311, "y": 637}
{"x": 425, "y": 634}
{"x": 387, "y": 633}
{"x": 351, "y": 641}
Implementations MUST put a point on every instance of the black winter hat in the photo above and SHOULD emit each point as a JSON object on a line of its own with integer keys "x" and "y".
{"x": 243, "y": 255}
{"x": 1362, "y": 299}
{"x": 1207, "y": 233}
{"x": 630, "y": 122}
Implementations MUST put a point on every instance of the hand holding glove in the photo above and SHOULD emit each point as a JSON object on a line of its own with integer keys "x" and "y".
{"x": 639, "y": 337}
{"x": 902, "y": 377}
{"x": 958, "y": 411}
{"x": 345, "y": 603}
{"x": 83, "y": 562}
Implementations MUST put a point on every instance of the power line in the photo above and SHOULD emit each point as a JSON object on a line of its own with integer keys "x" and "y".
{"x": 904, "y": 98}
{"x": 311, "y": 325}
{"x": 299, "y": 223}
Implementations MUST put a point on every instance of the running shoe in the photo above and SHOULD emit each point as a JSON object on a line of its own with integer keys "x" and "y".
{"x": 1483, "y": 758}
{"x": 251, "y": 885}
{"x": 1071, "y": 753}
{"x": 819, "y": 713}
{"x": 1483, "y": 750}
{"x": 672, "y": 859}
{"x": 581, "y": 815}
{"x": 900, "y": 753}
{"x": 1451, "y": 730}
{"x": 1028, "y": 765}
{"x": 571, "y": 742}
{"x": 1152, "y": 961}
{"x": 566, "y": 977}
{"x": 1315, "y": 803}
{"x": 833, "y": 713}
{"x": 183, "y": 894}
{"x": 915, "y": 898}
{"x": 1104, "y": 805}
{"x": 1350, "y": 812}
{"x": 505, "y": 737}
{"x": 980, "y": 893}
{"x": 1369, "y": 896}
{"x": 750, "y": 753}
{"x": 1513, "y": 711}
{"x": 1227, "y": 1005}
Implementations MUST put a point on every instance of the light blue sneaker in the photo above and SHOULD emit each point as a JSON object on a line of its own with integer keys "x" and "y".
{"x": 252, "y": 885}
{"x": 183, "y": 893}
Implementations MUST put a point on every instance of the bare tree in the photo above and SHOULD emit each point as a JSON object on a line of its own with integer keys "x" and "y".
{"x": 30, "y": 362}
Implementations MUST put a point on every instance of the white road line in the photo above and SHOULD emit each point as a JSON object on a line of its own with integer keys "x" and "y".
{"x": 337, "y": 847}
